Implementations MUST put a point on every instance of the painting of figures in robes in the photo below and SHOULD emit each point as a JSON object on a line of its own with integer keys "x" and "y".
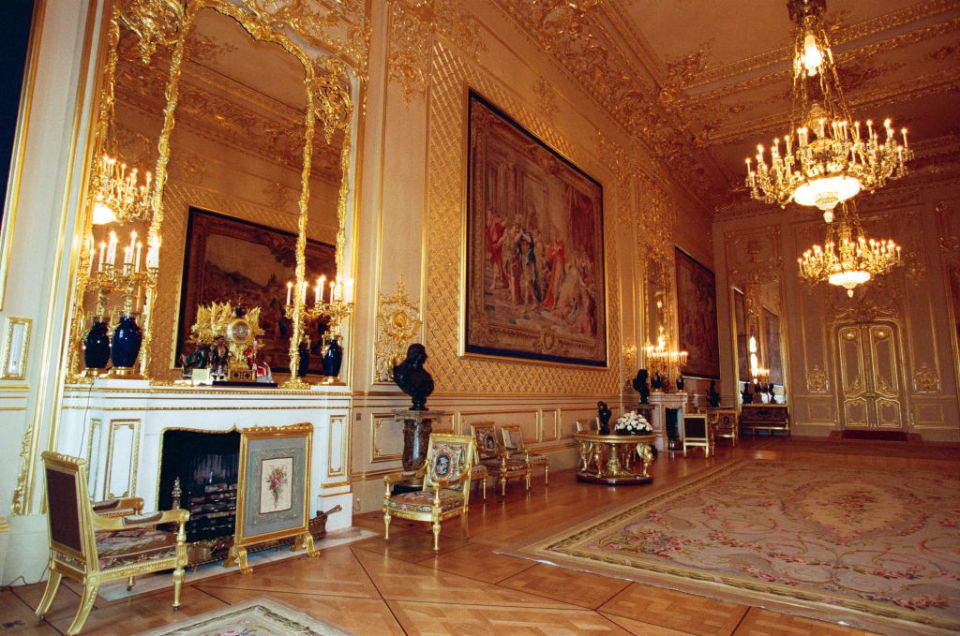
{"x": 535, "y": 266}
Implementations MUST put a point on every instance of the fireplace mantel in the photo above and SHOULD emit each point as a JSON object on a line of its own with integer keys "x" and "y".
{"x": 118, "y": 425}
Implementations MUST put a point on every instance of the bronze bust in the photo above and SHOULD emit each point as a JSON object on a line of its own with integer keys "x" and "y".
{"x": 412, "y": 378}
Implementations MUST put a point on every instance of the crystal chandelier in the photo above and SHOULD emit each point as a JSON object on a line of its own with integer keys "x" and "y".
{"x": 848, "y": 258}
{"x": 826, "y": 157}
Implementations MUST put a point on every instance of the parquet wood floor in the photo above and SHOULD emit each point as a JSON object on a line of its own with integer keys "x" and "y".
{"x": 370, "y": 587}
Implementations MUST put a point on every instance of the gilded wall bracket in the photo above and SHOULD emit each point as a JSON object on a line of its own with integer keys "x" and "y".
{"x": 398, "y": 322}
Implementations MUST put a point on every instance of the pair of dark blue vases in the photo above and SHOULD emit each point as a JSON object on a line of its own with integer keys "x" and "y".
{"x": 123, "y": 346}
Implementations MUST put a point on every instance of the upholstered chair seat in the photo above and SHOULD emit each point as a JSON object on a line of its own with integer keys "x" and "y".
{"x": 123, "y": 547}
{"x": 422, "y": 501}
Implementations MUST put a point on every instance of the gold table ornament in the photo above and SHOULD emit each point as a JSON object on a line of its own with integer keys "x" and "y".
{"x": 604, "y": 459}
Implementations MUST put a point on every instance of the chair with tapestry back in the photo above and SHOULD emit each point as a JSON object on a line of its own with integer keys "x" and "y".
{"x": 446, "y": 474}
{"x": 495, "y": 457}
{"x": 724, "y": 423}
{"x": 512, "y": 436}
{"x": 94, "y": 548}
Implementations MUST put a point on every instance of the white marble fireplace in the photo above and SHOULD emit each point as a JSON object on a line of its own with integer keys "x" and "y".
{"x": 118, "y": 427}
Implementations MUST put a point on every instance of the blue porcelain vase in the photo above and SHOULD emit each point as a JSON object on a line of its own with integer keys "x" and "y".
{"x": 332, "y": 357}
{"x": 96, "y": 345}
{"x": 126, "y": 341}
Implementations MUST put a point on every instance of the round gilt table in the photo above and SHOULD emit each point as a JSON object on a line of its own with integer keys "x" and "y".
{"x": 605, "y": 459}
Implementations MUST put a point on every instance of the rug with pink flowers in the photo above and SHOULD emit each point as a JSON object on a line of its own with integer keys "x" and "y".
{"x": 868, "y": 547}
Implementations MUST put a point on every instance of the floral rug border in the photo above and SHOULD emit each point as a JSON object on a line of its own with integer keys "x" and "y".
{"x": 292, "y": 621}
{"x": 555, "y": 543}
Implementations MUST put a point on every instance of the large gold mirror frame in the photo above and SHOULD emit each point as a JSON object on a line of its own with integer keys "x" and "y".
{"x": 327, "y": 87}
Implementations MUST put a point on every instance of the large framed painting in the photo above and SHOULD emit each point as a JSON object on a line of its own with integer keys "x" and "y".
{"x": 697, "y": 316}
{"x": 535, "y": 285}
{"x": 273, "y": 485}
{"x": 247, "y": 264}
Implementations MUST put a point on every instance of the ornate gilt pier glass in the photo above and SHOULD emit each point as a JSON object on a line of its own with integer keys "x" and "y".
{"x": 236, "y": 74}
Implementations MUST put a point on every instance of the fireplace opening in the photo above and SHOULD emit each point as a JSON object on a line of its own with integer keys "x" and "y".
{"x": 207, "y": 466}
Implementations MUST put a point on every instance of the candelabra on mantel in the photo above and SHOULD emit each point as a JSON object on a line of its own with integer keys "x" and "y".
{"x": 333, "y": 301}
{"x": 132, "y": 279}
{"x": 664, "y": 360}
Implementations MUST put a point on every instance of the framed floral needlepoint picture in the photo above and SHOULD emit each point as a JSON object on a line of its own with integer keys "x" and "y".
{"x": 274, "y": 482}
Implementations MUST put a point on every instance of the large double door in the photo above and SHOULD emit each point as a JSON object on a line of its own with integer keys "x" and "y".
{"x": 871, "y": 379}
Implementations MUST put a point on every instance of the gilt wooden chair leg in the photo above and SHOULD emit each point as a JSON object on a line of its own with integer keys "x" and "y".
{"x": 386, "y": 526}
{"x": 53, "y": 584}
{"x": 463, "y": 524}
{"x": 177, "y": 586}
{"x": 86, "y": 604}
{"x": 436, "y": 535}
{"x": 484, "y": 487}
{"x": 503, "y": 486}
{"x": 546, "y": 476}
{"x": 130, "y": 582}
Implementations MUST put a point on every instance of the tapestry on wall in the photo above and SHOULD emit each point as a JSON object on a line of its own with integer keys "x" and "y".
{"x": 535, "y": 268}
{"x": 697, "y": 316}
{"x": 229, "y": 260}
{"x": 740, "y": 318}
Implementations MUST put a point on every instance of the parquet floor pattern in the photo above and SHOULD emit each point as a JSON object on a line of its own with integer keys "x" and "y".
{"x": 371, "y": 587}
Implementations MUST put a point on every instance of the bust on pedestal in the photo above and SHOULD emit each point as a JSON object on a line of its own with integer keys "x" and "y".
{"x": 416, "y": 382}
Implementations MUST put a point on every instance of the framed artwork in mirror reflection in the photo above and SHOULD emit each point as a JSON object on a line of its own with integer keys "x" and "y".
{"x": 535, "y": 286}
{"x": 697, "y": 316}
{"x": 231, "y": 260}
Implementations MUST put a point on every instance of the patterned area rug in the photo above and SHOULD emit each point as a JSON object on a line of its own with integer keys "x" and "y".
{"x": 257, "y": 617}
{"x": 817, "y": 538}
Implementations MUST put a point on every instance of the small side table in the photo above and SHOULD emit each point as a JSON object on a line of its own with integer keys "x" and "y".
{"x": 600, "y": 458}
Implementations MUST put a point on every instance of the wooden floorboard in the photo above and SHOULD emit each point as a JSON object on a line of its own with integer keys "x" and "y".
{"x": 375, "y": 587}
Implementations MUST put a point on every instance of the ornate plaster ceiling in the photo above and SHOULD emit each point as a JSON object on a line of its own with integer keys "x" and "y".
{"x": 701, "y": 83}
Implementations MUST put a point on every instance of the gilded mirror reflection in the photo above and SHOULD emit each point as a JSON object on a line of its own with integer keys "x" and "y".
{"x": 758, "y": 338}
{"x": 246, "y": 210}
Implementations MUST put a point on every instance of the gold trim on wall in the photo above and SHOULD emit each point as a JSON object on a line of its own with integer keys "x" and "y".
{"x": 342, "y": 423}
{"x": 16, "y": 369}
{"x": 134, "y": 467}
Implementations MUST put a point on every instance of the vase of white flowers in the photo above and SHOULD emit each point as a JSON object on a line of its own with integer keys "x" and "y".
{"x": 632, "y": 423}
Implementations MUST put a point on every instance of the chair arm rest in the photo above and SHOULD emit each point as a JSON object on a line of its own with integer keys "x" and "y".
{"x": 120, "y": 506}
{"x": 391, "y": 478}
{"x": 101, "y": 522}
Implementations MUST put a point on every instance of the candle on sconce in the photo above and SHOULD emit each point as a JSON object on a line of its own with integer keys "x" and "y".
{"x": 103, "y": 255}
{"x": 333, "y": 285}
{"x": 303, "y": 292}
{"x": 348, "y": 294}
{"x": 128, "y": 255}
{"x": 136, "y": 258}
{"x": 289, "y": 292}
{"x": 316, "y": 293}
{"x": 321, "y": 287}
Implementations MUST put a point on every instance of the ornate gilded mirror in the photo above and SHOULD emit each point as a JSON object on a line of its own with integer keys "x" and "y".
{"x": 248, "y": 133}
{"x": 758, "y": 337}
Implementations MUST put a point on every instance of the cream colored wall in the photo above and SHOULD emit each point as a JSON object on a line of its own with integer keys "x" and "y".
{"x": 920, "y": 214}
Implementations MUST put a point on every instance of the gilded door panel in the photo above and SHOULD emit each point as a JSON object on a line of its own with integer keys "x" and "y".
{"x": 855, "y": 413}
{"x": 853, "y": 385}
{"x": 870, "y": 378}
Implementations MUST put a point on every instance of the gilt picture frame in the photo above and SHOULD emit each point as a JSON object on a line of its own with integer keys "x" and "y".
{"x": 697, "y": 317}
{"x": 231, "y": 260}
{"x": 273, "y": 489}
{"x": 535, "y": 279}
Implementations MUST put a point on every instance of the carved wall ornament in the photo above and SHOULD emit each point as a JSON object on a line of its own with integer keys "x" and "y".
{"x": 926, "y": 380}
{"x": 546, "y": 97}
{"x": 410, "y": 41}
{"x": 398, "y": 323}
{"x": 817, "y": 381}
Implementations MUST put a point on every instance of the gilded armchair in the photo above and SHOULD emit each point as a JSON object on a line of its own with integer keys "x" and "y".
{"x": 495, "y": 457}
{"x": 94, "y": 548}
{"x": 724, "y": 423}
{"x": 512, "y": 437}
{"x": 446, "y": 474}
